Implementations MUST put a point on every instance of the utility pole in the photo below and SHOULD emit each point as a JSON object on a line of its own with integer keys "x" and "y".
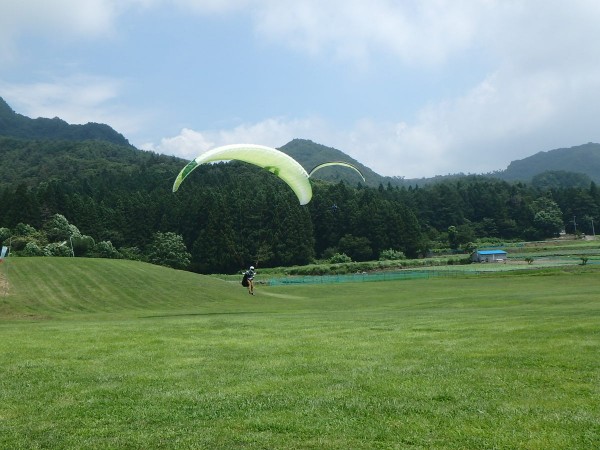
{"x": 574, "y": 226}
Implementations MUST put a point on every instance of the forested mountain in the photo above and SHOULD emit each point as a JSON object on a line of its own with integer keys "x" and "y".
{"x": 229, "y": 215}
{"x": 564, "y": 164}
{"x": 17, "y": 125}
{"x": 32, "y": 162}
{"x": 310, "y": 154}
{"x": 565, "y": 167}
{"x": 582, "y": 159}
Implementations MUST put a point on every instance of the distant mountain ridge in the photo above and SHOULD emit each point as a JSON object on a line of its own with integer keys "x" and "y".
{"x": 309, "y": 154}
{"x": 583, "y": 159}
{"x": 16, "y": 125}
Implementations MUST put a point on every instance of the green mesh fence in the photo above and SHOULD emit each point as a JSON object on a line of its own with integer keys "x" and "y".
{"x": 367, "y": 277}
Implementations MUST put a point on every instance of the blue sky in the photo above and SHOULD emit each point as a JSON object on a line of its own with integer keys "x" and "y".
{"x": 410, "y": 88}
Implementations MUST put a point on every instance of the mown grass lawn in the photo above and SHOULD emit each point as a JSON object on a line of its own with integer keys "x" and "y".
{"x": 487, "y": 362}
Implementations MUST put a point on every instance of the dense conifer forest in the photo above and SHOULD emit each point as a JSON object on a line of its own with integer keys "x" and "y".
{"x": 232, "y": 214}
{"x": 114, "y": 200}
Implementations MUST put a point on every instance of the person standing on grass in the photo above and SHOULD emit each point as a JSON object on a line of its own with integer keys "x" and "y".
{"x": 249, "y": 276}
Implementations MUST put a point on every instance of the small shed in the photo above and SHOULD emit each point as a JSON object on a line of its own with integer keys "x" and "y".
{"x": 489, "y": 256}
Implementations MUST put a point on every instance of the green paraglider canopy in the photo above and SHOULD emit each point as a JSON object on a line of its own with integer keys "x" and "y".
{"x": 336, "y": 163}
{"x": 273, "y": 160}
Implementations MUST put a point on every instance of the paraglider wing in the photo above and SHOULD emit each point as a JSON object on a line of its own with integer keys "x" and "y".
{"x": 275, "y": 161}
{"x": 336, "y": 163}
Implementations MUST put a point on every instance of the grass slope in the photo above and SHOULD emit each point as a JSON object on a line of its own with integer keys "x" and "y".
{"x": 64, "y": 287}
{"x": 154, "y": 358}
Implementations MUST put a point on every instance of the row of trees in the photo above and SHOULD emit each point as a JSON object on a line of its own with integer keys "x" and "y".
{"x": 58, "y": 237}
{"x": 231, "y": 215}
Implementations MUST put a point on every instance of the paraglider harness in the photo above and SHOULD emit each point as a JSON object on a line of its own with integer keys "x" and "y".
{"x": 247, "y": 274}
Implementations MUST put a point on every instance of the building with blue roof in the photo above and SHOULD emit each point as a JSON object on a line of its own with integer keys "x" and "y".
{"x": 489, "y": 256}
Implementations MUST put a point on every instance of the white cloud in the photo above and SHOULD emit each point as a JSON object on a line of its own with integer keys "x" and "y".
{"x": 76, "y": 99}
{"x": 188, "y": 144}
{"x": 59, "y": 20}
{"x": 71, "y": 97}
{"x": 507, "y": 116}
{"x": 541, "y": 89}
{"x": 271, "y": 132}
{"x": 542, "y": 71}
{"x": 415, "y": 32}
{"x": 387, "y": 148}
{"x": 215, "y": 6}
{"x": 62, "y": 17}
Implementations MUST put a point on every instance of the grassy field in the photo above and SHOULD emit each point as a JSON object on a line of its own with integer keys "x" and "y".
{"x": 120, "y": 354}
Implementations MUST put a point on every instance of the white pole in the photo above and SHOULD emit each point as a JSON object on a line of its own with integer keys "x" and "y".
{"x": 7, "y": 265}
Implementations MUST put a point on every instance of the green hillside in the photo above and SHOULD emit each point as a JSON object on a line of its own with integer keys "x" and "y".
{"x": 310, "y": 154}
{"x": 17, "y": 125}
{"x": 581, "y": 162}
{"x": 32, "y": 162}
{"x": 584, "y": 159}
{"x": 62, "y": 287}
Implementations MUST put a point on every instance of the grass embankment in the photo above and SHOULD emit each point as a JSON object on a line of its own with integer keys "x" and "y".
{"x": 65, "y": 287}
{"x": 136, "y": 356}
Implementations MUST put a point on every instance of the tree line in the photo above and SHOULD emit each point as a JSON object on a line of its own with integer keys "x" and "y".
{"x": 230, "y": 215}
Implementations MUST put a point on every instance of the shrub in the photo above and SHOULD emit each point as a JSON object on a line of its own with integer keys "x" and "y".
{"x": 58, "y": 228}
{"x": 82, "y": 245}
{"x": 168, "y": 249}
{"x": 317, "y": 270}
{"x": 20, "y": 242}
{"x": 5, "y": 235}
{"x": 391, "y": 255}
{"x": 23, "y": 229}
{"x": 469, "y": 247}
{"x": 357, "y": 247}
{"x": 105, "y": 249}
{"x": 32, "y": 249}
{"x": 23, "y": 234}
{"x": 57, "y": 249}
{"x": 131, "y": 253}
{"x": 340, "y": 258}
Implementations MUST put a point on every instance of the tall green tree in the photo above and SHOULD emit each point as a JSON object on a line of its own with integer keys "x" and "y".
{"x": 547, "y": 217}
{"x": 215, "y": 249}
{"x": 168, "y": 249}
